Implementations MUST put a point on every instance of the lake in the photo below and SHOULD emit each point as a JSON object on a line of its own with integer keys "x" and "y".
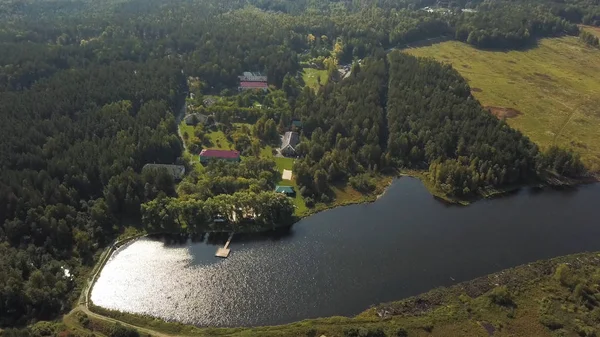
{"x": 341, "y": 261}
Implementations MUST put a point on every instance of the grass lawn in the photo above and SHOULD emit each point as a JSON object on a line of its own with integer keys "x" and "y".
{"x": 310, "y": 75}
{"x": 184, "y": 128}
{"x": 219, "y": 141}
{"x": 554, "y": 88}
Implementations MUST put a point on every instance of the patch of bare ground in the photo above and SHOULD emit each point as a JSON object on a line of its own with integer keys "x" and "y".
{"x": 489, "y": 328}
{"x": 503, "y": 113}
{"x": 476, "y": 90}
{"x": 466, "y": 66}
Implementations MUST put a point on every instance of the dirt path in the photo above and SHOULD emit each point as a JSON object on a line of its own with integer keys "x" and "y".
{"x": 178, "y": 120}
{"x": 85, "y": 295}
{"x": 573, "y": 112}
{"x": 84, "y": 309}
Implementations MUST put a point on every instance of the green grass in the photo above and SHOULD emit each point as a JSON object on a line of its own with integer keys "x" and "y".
{"x": 310, "y": 75}
{"x": 219, "y": 141}
{"x": 184, "y": 128}
{"x": 555, "y": 86}
{"x": 521, "y": 301}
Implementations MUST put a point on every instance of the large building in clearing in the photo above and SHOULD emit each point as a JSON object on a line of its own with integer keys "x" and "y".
{"x": 209, "y": 154}
{"x": 253, "y": 81}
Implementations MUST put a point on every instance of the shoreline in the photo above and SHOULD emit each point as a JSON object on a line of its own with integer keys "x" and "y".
{"x": 85, "y": 297}
{"x": 414, "y": 310}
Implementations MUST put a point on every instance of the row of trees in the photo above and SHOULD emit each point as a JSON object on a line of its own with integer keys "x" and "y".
{"x": 508, "y": 26}
{"x": 265, "y": 210}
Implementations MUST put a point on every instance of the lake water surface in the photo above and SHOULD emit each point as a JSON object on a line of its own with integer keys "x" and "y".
{"x": 341, "y": 261}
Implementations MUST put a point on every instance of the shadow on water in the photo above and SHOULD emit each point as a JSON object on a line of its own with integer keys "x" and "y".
{"x": 219, "y": 238}
{"x": 283, "y": 233}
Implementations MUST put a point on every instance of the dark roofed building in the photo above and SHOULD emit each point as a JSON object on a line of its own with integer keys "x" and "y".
{"x": 208, "y": 154}
{"x": 176, "y": 171}
{"x": 289, "y": 143}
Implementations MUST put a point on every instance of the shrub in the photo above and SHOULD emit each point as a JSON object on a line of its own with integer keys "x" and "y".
{"x": 501, "y": 296}
{"x": 362, "y": 183}
{"x": 564, "y": 275}
{"x": 309, "y": 202}
{"x": 401, "y": 333}
{"x": 595, "y": 315}
{"x": 120, "y": 331}
{"x": 551, "y": 322}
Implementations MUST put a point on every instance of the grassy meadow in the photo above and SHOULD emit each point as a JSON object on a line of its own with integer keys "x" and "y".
{"x": 310, "y": 76}
{"x": 550, "y": 92}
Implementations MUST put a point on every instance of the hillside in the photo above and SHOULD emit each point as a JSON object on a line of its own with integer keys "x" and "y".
{"x": 550, "y": 92}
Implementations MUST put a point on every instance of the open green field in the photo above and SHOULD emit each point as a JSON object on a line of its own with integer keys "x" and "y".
{"x": 310, "y": 76}
{"x": 550, "y": 92}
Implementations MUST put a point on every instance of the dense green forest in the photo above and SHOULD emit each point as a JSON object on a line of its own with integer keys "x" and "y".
{"x": 90, "y": 90}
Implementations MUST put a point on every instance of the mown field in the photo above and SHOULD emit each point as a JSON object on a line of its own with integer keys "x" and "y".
{"x": 550, "y": 92}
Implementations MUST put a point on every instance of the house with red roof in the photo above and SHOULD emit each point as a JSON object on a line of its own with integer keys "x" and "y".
{"x": 253, "y": 81}
{"x": 213, "y": 154}
{"x": 253, "y": 86}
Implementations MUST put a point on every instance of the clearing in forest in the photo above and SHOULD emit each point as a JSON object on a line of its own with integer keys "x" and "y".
{"x": 311, "y": 78}
{"x": 550, "y": 92}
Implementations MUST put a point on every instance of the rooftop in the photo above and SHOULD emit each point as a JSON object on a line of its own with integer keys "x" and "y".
{"x": 260, "y": 85}
{"x": 290, "y": 139}
{"x": 284, "y": 189}
{"x": 219, "y": 153}
{"x": 253, "y": 77}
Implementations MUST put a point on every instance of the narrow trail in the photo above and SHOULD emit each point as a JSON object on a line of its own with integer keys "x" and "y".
{"x": 570, "y": 117}
{"x": 84, "y": 299}
{"x": 87, "y": 311}
{"x": 178, "y": 120}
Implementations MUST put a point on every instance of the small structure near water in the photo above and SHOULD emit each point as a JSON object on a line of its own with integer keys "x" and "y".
{"x": 224, "y": 252}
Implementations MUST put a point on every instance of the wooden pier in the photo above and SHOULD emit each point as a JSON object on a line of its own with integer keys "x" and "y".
{"x": 224, "y": 252}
